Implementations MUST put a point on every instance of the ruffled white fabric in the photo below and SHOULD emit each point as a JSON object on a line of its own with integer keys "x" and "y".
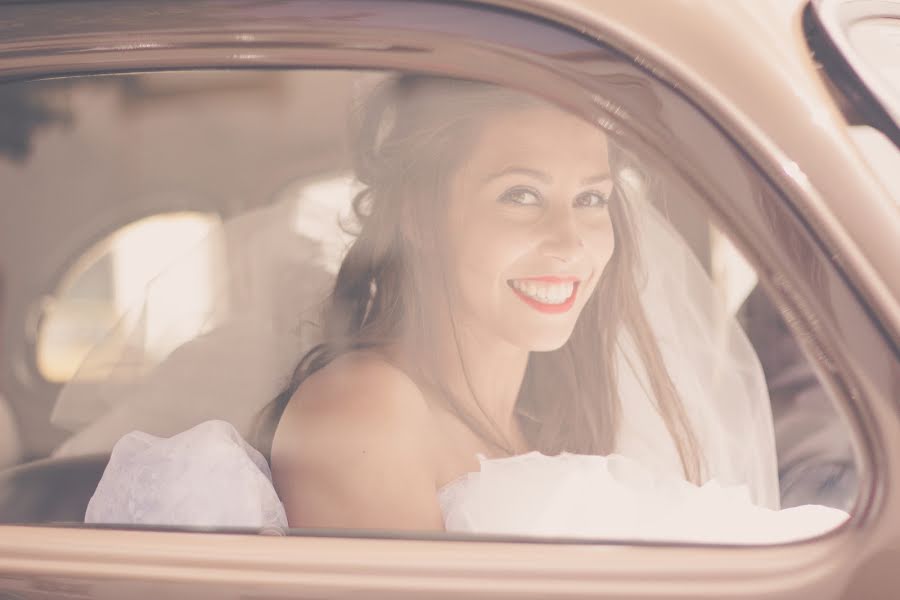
{"x": 207, "y": 476}
{"x": 615, "y": 498}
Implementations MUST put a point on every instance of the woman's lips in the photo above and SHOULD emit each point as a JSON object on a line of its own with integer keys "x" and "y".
{"x": 548, "y": 294}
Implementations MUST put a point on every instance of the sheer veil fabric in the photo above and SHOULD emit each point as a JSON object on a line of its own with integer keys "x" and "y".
{"x": 711, "y": 362}
{"x": 271, "y": 271}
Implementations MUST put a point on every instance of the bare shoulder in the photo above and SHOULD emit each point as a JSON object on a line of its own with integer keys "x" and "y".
{"x": 357, "y": 390}
{"x": 354, "y": 449}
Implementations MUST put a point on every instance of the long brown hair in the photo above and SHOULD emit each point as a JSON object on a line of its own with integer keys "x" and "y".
{"x": 411, "y": 135}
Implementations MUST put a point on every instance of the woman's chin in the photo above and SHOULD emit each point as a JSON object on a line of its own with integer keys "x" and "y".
{"x": 544, "y": 341}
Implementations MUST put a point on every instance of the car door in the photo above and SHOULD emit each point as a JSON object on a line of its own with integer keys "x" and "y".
{"x": 589, "y": 62}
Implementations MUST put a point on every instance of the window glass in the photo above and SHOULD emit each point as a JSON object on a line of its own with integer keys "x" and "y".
{"x": 110, "y": 279}
{"x": 876, "y": 41}
{"x": 383, "y": 302}
{"x": 869, "y": 44}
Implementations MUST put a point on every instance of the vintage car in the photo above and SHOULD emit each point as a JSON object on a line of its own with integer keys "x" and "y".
{"x": 131, "y": 130}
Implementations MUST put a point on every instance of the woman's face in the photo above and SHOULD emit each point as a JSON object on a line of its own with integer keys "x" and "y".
{"x": 529, "y": 227}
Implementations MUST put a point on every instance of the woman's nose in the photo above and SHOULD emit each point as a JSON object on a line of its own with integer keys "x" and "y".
{"x": 563, "y": 238}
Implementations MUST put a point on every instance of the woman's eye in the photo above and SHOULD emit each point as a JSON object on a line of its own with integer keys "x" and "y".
{"x": 591, "y": 200}
{"x": 521, "y": 196}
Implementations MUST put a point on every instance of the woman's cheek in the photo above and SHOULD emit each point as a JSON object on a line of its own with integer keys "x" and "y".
{"x": 500, "y": 237}
{"x": 490, "y": 262}
{"x": 600, "y": 242}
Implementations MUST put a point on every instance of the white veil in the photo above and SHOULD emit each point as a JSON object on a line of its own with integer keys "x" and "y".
{"x": 271, "y": 273}
{"x": 706, "y": 353}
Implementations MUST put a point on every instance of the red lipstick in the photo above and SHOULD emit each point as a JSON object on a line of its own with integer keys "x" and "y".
{"x": 545, "y": 307}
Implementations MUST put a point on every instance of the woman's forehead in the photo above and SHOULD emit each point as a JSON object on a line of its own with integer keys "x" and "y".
{"x": 539, "y": 138}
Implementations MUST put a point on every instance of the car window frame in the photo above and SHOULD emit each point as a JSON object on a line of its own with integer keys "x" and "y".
{"x": 322, "y": 40}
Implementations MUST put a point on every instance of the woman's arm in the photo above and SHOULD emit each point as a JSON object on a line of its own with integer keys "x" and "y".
{"x": 354, "y": 450}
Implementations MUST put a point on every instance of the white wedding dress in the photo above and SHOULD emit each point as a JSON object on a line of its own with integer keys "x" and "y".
{"x": 209, "y": 476}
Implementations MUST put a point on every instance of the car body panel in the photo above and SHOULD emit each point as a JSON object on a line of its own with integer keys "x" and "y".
{"x": 832, "y": 189}
{"x": 234, "y": 566}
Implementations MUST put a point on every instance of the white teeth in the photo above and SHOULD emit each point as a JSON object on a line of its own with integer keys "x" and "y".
{"x": 556, "y": 293}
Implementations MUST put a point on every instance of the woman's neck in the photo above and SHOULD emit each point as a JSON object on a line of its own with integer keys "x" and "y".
{"x": 484, "y": 374}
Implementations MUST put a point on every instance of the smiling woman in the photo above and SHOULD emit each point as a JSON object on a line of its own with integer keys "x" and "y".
{"x": 482, "y": 240}
{"x": 485, "y": 233}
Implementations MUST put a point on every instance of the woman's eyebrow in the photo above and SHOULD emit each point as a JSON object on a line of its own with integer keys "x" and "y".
{"x": 594, "y": 179}
{"x": 544, "y": 177}
{"x": 540, "y": 175}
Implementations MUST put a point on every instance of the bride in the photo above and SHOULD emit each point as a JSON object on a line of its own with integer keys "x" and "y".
{"x": 475, "y": 314}
{"x": 516, "y": 342}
